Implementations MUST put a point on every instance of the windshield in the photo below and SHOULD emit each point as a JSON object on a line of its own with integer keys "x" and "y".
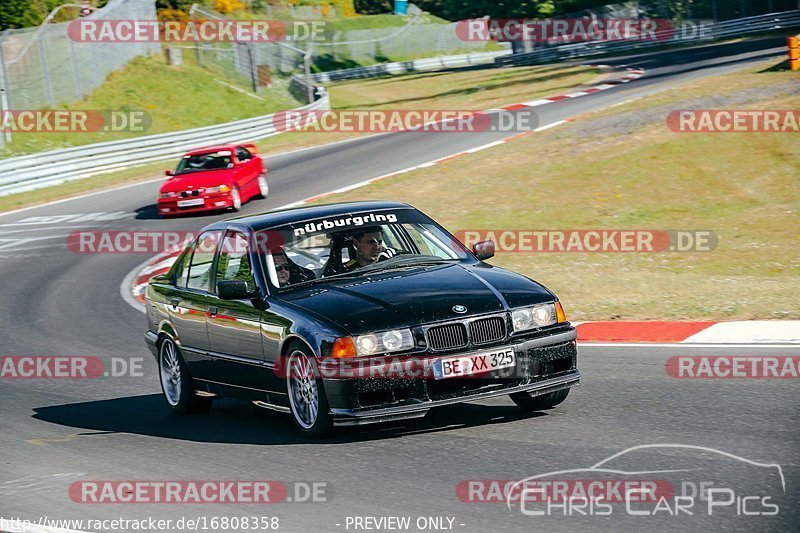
{"x": 198, "y": 163}
{"x": 318, "y": 250}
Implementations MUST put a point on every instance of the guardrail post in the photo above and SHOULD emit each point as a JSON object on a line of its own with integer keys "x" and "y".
{"x": 794, "y": 52}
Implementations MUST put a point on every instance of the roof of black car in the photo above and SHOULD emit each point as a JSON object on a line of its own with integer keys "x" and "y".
{"x": 302, "y": 213}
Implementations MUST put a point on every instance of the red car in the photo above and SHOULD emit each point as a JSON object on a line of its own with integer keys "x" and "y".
{"x": 214, "y": 178}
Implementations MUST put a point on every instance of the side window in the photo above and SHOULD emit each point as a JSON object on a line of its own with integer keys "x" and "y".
{"x": 181, "y": 269}
{"x": 200, "y": 269}
{"x": 242, "y": 154}
{"x": 234, "y": 261}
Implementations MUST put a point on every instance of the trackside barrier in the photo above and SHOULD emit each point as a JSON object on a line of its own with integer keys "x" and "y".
{"x": 705, "y": 33}
{"x": 794, "y": 52}
{"x": 29, "y": 172}
{"x": 402, "y": 67}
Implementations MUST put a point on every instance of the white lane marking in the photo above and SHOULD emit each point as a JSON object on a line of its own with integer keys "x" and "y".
{"x": 427, "y": 164}
{"x": 101, "y": 216}
{"x": 25, "y": 230}
{"x": 485, "y": 147}
{"x": 11, "y": 243}
{"x": 682, "y": 345}
{"x": 551, "y": 125}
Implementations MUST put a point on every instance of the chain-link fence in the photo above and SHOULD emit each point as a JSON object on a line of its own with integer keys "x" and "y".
{"x": 42, "y": 66}
{"x": 257, "y": 64}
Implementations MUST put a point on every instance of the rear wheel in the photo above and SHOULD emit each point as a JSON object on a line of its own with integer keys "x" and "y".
{"x": 539, "y": 403}
{"x": 176, "y": 383}
{"x": 307, "y": 400}
{"x": 237, "y": 199}
{"x": 263, "y": 186}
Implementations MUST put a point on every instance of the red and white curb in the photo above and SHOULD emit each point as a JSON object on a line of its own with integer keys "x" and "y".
{"x": 734, "y": 332}
{"x": 633, "y": 74}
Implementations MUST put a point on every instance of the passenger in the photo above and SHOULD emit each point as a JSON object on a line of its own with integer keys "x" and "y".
{"x": 289, "y": 272}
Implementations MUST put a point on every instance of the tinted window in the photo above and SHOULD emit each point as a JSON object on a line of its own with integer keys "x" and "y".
{"x": 199, "y": 163}
{"x": 181, "y": 269}
{"x": 242, "y": 154}
{"x": 234, "y": 261}
{"x": 200, "y": 269}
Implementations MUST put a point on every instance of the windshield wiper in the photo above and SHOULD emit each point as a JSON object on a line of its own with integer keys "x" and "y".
{"x": 345, "y": 275}
{"x": 408, "y": 264}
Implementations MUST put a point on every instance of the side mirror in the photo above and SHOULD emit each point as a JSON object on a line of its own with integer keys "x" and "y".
{"x": 483, "y": 250}
{"x": 169, "y": 173}
{"x": 234, "y": 289}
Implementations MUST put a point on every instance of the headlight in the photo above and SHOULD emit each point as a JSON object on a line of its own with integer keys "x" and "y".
{"x": 221, "y": 188}
{"x": 537, "y": 316}
{"x": 169, "y": 195}
{"x": 387, "y": 341}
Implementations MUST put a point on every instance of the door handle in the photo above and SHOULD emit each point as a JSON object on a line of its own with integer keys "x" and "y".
{"x": 212, "y": 311}
{"x": 174, "y": 302}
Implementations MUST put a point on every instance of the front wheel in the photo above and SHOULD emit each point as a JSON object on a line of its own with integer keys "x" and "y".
{"x": 539, "y": 403}
{"x": 176, "y": 383}
{"x": 307, "y": 400}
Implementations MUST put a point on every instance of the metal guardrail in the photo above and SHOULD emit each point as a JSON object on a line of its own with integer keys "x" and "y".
{"x": 710, "y": 32}
{"x": 402, "y": 67}
{"x": 45, "y": 169}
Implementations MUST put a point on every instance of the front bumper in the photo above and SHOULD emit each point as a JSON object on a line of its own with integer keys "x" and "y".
{"x": 169, "y": 206}
{"x": 544, "y": 365}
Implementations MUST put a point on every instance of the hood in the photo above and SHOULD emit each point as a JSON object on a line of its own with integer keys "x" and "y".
{"x": 195, "y": 180}
{"x": 413, "y": 296}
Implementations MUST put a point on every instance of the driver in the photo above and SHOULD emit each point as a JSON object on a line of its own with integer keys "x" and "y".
{"x": 368, "y": 245}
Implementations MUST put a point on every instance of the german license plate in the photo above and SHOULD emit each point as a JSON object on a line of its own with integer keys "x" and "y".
{"x": 474, "y": 364}
{"x": 191, "y": 203}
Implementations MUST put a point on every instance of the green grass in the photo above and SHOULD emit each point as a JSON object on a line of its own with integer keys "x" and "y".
{"x": 176, "y": 98}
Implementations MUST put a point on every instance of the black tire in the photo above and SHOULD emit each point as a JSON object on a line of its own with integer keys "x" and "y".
{"x": 539, "y": 403}
{"x": 237, "y": 199}
{"x": 176, "y": 382}
{"x": 307, "y": 401}
{"x": 263, "y": 187}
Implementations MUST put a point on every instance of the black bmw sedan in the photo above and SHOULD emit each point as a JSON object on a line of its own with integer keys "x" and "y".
{"x": 350, "y": 314}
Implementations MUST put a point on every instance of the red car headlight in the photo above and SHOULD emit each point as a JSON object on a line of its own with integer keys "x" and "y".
{"x": 221, "y": 188}
{"x": 169, "y": 195}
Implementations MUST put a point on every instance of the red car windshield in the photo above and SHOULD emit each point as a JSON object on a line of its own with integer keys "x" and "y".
{"x": 199, "y": 163}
